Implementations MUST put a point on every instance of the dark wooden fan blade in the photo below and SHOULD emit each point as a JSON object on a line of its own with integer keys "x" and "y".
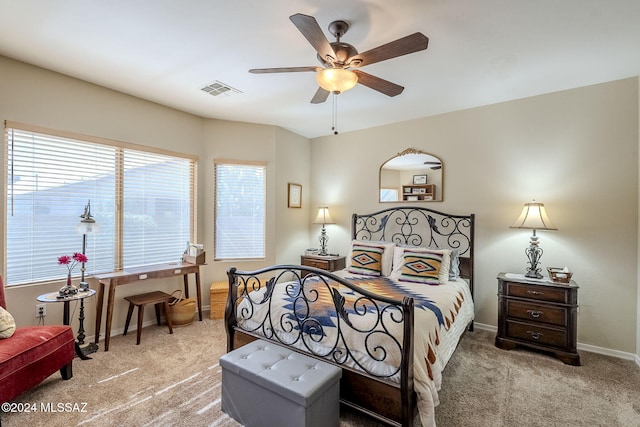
{"x": 283, "y": 70}
{"x": 310, "y": 29}
{"x": 320, "y": 96}
{"x": 409, "y": 44}
{"x": 376, "y": 83}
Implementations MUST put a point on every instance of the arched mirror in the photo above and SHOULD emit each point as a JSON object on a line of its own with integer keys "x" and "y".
{"x": 411, "y": 176}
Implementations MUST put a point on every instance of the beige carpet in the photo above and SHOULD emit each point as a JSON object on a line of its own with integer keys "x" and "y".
{"x": 174, "y": 380}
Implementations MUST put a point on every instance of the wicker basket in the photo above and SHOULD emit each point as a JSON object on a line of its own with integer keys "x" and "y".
{"x": 557, "y": 275}
{"x": 182, "y": 310}
{"x": 218, "y": 298}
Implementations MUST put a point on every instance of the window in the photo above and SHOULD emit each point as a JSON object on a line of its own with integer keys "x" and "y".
{"x": 389, "y": 195}
{"x": 144, "y": 202}
{"x": 240, "y": 194}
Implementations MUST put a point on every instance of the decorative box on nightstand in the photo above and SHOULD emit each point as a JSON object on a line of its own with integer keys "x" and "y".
{"x": 538, "y": 314}
{"x": 329, "y": 263}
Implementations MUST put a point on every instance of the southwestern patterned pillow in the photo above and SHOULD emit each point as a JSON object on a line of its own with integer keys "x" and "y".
{"x": 421, "y": 267}
{"x": 7, "y": 324}
{"x": 366, "y": 260}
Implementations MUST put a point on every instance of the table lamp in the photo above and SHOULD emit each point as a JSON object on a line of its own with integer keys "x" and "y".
{"x": 323, "y": 218}
{"x": 533, "y": 217}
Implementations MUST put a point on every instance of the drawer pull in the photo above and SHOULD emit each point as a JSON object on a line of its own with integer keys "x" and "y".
{"x": 535, "y": 335}
{"x": 535, "y": 292}
{"x": 535, "y": 313}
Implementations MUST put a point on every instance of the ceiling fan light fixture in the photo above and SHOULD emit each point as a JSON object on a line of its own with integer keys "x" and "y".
{"x": 336, "y": 80}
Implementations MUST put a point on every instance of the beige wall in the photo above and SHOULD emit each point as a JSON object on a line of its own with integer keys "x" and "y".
{"x": 576, "y": 151}
{"x": 40, "y": 97}
{"x": 293, "y": 154}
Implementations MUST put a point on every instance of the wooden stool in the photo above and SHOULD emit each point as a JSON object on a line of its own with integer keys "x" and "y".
{"x": 157, "y": 298}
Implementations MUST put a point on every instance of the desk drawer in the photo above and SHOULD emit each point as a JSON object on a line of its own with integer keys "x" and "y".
{"x": 533, "y": 333}
{"x": 537, "y": 312}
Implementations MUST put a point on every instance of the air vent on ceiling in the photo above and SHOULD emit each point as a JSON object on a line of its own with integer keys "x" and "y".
{"x": 218, "y": 88}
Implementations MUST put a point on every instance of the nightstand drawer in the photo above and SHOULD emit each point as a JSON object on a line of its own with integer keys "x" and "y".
{"x": 317, "y": 263}
{"x": 537, "y": 312}
{"x": 540, "y": 293}
{"x": 329, "y": 263}
{"x": 537, "y": 334}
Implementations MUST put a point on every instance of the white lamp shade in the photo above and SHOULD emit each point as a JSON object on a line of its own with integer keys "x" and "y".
{"x": 534, "y": 217}
{"x": 87, "y": 227}
{"x": 336, "y": 79}
{"x": 323, "y": 216}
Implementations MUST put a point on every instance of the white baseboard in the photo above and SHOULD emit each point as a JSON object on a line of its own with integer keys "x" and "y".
{"x": 485, "y": 327}
{"x": 608, "y": 352}
{"x": 584, "y": 347}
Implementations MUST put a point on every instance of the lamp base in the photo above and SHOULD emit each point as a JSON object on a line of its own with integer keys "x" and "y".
{"x": 533, "y": 274}
{"x": 533, "y": 253}
{"x": 323, "y": 241}
{"x": 82, "y": 351}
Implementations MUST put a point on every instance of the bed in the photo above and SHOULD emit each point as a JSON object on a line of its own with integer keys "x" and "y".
{"x": 391, "y": 320}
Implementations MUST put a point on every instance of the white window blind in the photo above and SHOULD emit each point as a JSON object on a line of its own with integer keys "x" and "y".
{"x": 240, "y": 210}
{"x": 157, "y": 207}
{"x": 51, "y": 178}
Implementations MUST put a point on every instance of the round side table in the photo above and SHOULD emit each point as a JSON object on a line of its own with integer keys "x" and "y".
{"x": 80, "y": 296}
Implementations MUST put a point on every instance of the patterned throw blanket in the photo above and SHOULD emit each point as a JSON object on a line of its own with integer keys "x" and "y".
{"x": 435, "y": 307}
{"x": 433, "y": 310}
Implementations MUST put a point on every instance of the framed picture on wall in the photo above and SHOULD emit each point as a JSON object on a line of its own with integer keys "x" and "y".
{"x": 294, "y": 199}
{"x": 419, "y": 179}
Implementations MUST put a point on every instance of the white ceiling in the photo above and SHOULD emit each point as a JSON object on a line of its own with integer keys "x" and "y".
{"x": 480, "y": 52}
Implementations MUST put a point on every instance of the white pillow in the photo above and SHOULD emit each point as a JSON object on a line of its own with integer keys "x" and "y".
{"x": 387, "y": 255}
{"x": 7, "y": 324}
{"x": 454, "y": 270}
{"x": 398, "y": 260}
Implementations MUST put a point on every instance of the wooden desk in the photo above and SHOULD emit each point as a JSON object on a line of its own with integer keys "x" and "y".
{"x": 137, "y": 274}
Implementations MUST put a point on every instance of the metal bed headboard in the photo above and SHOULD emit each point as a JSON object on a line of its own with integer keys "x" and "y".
{"x": 417, "y": 226}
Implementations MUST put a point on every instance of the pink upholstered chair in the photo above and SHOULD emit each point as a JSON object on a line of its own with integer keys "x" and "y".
{"x": 32, "y": 354}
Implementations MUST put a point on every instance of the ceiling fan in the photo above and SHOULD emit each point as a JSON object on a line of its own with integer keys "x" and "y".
{"x": 434, "y": 165}
{"x": 341, "y": 61}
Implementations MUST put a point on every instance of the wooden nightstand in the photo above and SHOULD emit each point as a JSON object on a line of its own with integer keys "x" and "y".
{"x": 537, "y": 314}
{"x": 329, "y": 263}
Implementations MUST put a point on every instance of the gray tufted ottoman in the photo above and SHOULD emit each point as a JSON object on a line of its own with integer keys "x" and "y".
{"x": 264, "y": 384}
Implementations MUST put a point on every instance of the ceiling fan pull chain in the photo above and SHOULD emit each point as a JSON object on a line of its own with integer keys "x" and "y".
{"x": 334, "y": 128}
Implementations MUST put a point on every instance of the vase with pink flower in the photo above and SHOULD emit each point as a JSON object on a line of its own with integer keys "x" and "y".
{"x": 70, "y": 261}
